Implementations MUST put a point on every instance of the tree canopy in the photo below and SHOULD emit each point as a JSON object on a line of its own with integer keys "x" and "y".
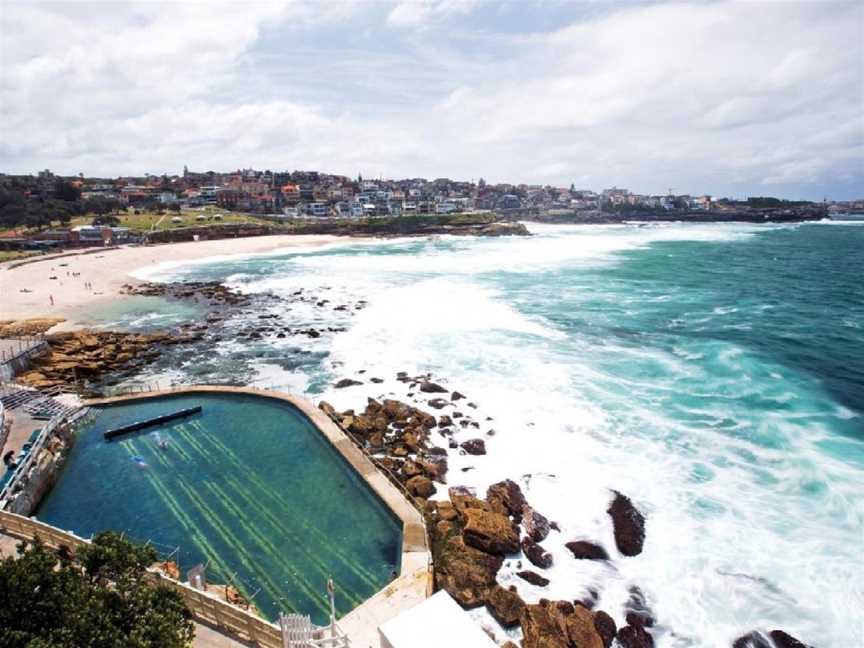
{"x": 97, "y": 598}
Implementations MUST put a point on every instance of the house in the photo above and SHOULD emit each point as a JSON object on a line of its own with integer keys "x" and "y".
{"x": 318, "y": 209}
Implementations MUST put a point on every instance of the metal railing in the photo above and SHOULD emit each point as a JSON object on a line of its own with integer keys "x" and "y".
{"x": 27, "y": 462}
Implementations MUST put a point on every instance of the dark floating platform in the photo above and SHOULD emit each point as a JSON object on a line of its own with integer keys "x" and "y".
{"x": 140, "y": 425}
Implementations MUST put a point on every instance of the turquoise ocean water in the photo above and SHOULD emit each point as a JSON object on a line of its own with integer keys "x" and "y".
{"x": 715, "y": 373}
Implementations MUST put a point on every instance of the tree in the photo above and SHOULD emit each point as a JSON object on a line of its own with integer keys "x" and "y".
{"x": 97, "y": 598}
{"x": 109, "y": 219}
{"x": 65, "y": 190}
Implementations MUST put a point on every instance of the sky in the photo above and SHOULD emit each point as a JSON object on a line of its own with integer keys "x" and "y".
{"x": 721, "y": 98}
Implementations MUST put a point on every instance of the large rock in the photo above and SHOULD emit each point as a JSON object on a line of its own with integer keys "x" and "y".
{"x": 580, "y": 627}
{"x": 536, "y": 554}
{"x": 752, "y": 639}
{"x": 783, "y": 640}
{"x": 634, "y": 637}
{"x": 605, "y": 626}
{"x": 396, "y": 410}
{"x": 583, "y": 550}
{"x": 346, "y": 382}
{"x": 506, "y": 498}
{"x": 490, "y": 532}
{"x": 637, "y": 612}
{"x": 535, "y": 524}
{"x": 420, "y": 486}
{"x": 474, "y": 446}
{"x": 505, "y": 605}
{"x": 628, "y": 524}
{"x": 467, "y": 574}
{"x": 432, "y": 388}
{"x": 558, "y": 624}
{"x": 463, "y": 498}
{"x": 540, "y": 629}
{"x": 533, "y": 577}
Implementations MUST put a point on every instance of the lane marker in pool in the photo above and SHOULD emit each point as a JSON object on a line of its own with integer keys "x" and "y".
{"x": 324, "y": 540}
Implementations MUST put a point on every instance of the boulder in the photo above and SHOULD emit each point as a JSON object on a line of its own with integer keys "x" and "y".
{"x": 455, "y": 396}
{"x": 636, "y": 609}
{"x": 438, "y": 403}
{"x": 605, "y": 627}
{"x": 505, "y": 605}
{"x": 434, "y": 469}
{"x": 783, "y": 640}
{"x": 540, "y": 629}
{"x": 463, "y": 498}
{"x": 580, "y": 627}
{"x": 444, "y": 421}
{"x": 396, "y": 410}
{"x": 533, "y": 577}
{"x": 628, "y": 524}
{"x": 360, "y": 425}
{"x": 346, "y": 382}
{"x": 432, "y": 388}
{"x": 506, "y": 498}
{"x": 474, "y": 446}
{"x": 536, "y": 554}
{"x": 411, "y": 469}
{"x": 634, "y": 637}
{"x": 466, "y": 573}
{"x": 535, "y": 524}
{"x": 583, "y": 550}
{"x": 752, "y": 639}
{"x": 420, "y": 486}
{"x": 490, "y": 532}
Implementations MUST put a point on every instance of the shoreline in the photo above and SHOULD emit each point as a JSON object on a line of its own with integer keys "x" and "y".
{"x": 107, "y": 270}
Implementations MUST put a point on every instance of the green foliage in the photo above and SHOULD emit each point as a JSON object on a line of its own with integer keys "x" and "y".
{"x": 96, "y": 599}
{"x": 109, "y": 220}
{"x": 769, "y": 201}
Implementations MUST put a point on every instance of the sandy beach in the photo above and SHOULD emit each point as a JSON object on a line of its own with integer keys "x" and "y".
{"x": 105, "y": 272}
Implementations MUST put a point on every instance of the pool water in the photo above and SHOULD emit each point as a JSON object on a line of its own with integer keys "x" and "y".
{"x": 248, "y": 487}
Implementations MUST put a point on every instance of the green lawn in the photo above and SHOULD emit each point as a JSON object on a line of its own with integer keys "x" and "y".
{"x": 16, "y": 254}
{"x": 149, "y": 220}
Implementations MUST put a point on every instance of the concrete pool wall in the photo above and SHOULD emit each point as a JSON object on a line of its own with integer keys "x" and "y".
{"x": 414, "y": 582}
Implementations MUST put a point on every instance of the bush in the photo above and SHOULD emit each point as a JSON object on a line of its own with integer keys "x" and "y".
{"x": 97, "y": 598}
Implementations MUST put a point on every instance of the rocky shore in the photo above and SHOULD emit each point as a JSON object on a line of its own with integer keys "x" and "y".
{"x": 473, "y": 537}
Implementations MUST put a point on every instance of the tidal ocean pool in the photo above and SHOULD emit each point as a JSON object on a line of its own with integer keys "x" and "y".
{"x": 248, "y": 487}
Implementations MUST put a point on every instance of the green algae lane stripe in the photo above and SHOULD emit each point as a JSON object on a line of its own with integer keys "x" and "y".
{"x": 352, "y": 565}
{"x": 237, "y": 545}
{"x": 273, "y": 552}
{"x": 193, "y": 443}
{"x": 324, "y": 570}
{"x": 185, "y": 521}
{"x": 234, "y": 544}
{"x": 310, "y": 558}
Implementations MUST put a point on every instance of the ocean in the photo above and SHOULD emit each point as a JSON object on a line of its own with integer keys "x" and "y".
{"x": 713, "y": 372}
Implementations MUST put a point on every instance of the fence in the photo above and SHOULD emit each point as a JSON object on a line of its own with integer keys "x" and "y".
{"x": 27, "y": 462}
{"x": 15, "y": 355}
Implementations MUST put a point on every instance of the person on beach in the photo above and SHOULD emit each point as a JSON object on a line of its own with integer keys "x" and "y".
{"x": 51, "y": 299}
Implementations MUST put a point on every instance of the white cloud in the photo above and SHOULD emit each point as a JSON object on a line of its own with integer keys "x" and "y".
{"x": 706, "y": 97}
{"x": 419, "y": 13}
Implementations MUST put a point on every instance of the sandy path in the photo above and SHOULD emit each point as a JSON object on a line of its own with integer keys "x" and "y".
{"x": 108, "y": 270}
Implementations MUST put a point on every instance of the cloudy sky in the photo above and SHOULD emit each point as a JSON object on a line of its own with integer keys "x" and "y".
{"x": 726, "y": 98}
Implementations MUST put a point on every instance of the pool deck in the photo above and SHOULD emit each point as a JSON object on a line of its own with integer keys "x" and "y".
{"x": 414, "y": 583}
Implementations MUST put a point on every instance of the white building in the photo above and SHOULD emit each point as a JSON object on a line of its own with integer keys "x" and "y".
{"x": 437, "y": 622}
